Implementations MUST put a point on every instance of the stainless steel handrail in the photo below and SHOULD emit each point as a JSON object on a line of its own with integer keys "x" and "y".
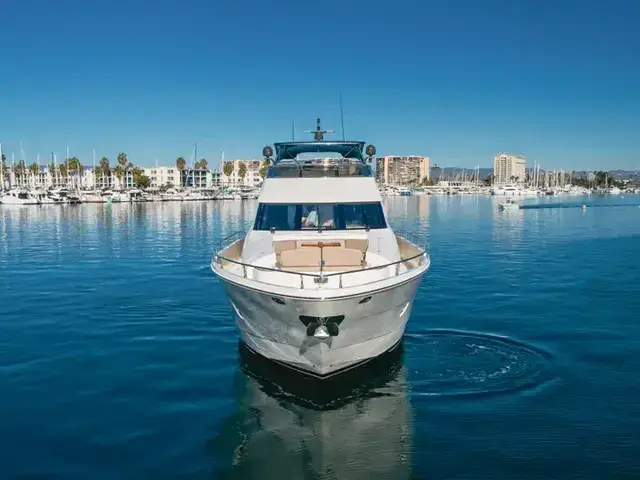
{"x": 217, "y": 258}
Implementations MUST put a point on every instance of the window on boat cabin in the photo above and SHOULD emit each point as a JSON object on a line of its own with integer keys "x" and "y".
{"x": 327, "y": 216}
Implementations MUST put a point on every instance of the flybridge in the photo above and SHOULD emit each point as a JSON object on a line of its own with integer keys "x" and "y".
{"x": 291, "y": 150}
{"x": 352, "y": 160}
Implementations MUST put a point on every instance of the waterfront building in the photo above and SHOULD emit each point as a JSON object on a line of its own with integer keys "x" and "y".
{"x": 195, "y": 177}
{"x": 216, "y": 178}
{"x": 402, "y": 170}
{"x": 508, "y": 168}
{"x": 162, "y": 176}
{"x": 251, "y": 177}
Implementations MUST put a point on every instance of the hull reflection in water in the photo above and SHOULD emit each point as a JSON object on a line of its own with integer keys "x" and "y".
{"x": 356, "y": 426}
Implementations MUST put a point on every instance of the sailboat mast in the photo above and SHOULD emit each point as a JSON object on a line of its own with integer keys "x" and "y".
{"x": 1, "y": 170}
{"x": 93, "y": 172}
{"x": 341, "y": 117}
{"x": 195, "y": 160}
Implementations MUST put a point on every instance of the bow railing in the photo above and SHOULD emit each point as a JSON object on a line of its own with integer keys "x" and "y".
{"x": 228, "y": 251}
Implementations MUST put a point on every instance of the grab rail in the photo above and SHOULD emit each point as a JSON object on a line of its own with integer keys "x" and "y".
{"x": 322, "y": 277}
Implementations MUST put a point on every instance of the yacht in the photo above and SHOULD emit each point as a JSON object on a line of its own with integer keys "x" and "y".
{"x": 18, "y": 197}
{"x": 64, "y": 195}
{"x": 320, "y": 282}
{"x": 509, "y": 204}
{"x": 507, "y": 190}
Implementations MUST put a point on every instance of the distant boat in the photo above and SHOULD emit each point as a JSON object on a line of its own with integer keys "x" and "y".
{"x": 509, "y": 204}
{"x": 18, "y": 197}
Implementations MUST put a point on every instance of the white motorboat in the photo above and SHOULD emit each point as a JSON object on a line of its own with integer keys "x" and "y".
{"x": 64, "y": 195}
{"x": 509, "y": 204}
{"x": 43, "y": 197}
{"x": 18, "y": 197}
{"x": 320, "y": 282}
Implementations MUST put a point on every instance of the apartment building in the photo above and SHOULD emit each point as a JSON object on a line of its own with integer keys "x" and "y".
{"x": 162, "y": 176}
{"x": 508, "y": 168}
{"x": 402, "y": 170}
{"x": 252, "y": 176}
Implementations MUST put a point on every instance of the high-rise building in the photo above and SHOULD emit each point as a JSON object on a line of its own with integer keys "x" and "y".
{"x": 508, "y": 168}
{"x": 405, "y": 170}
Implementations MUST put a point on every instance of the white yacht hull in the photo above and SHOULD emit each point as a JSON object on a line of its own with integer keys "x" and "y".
{"x": 274, "y": 329}
{"x": 7, "y": 200}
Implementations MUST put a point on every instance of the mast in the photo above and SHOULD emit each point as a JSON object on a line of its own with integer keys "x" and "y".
{"x": 341, "y": 117}
{"x": 1, "y": 170}
{"x": 195, "y": 160}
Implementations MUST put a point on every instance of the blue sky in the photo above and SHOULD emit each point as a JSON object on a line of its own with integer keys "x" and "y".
{"x": 558, "y": 81}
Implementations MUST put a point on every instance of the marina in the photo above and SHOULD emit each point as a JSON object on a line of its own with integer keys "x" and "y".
{"x": 25, "y": 196}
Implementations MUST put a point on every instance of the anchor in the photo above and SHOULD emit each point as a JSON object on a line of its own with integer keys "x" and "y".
{"x": 320, "y": 330}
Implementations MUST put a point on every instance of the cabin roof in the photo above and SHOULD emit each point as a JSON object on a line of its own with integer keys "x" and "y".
{"x": 290, "y": 150}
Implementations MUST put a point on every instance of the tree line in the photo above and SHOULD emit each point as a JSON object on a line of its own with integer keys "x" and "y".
{"x": 73, "y": 167}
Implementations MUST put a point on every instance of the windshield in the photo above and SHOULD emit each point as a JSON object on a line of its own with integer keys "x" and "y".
{"x": 324, "y": 216}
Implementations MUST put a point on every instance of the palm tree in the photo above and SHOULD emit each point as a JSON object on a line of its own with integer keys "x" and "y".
{"x": 34, "y": 169}
{"x": 242, "y": 170}
{"x": 203, "y": 164}
{"x": 119, "y": 172}
{"x": 264, "y": 167}
{"x": 123, "y": 161}
{"x": 227, "y": 168}
{"x": 180, "y": 163}
{"x": 104, "y": 167}
{"x": 63, "y": 170}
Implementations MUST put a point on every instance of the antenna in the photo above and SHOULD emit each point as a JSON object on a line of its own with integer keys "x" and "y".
{"x": 318, "y": 133}
{"x": 293, "y": 130}
{"x": 341, "y": 117}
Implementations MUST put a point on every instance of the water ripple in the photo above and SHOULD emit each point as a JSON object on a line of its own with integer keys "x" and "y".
{"x": 459, "y": 363}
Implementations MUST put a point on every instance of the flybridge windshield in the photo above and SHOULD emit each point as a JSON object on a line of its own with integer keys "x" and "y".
{"x": 324, "y": 216}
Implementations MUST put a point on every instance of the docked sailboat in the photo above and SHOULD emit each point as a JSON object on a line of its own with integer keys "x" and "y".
{"x": 320, "y": 282}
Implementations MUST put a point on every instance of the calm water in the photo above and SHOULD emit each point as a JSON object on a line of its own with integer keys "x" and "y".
{"x": 119, "y": 357}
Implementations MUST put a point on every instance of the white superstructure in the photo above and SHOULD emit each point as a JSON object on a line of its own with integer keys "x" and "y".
{"x": 320, "y": 282}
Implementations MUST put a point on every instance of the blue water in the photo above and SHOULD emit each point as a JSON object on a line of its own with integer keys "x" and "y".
{"x": 119, "y": 357}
